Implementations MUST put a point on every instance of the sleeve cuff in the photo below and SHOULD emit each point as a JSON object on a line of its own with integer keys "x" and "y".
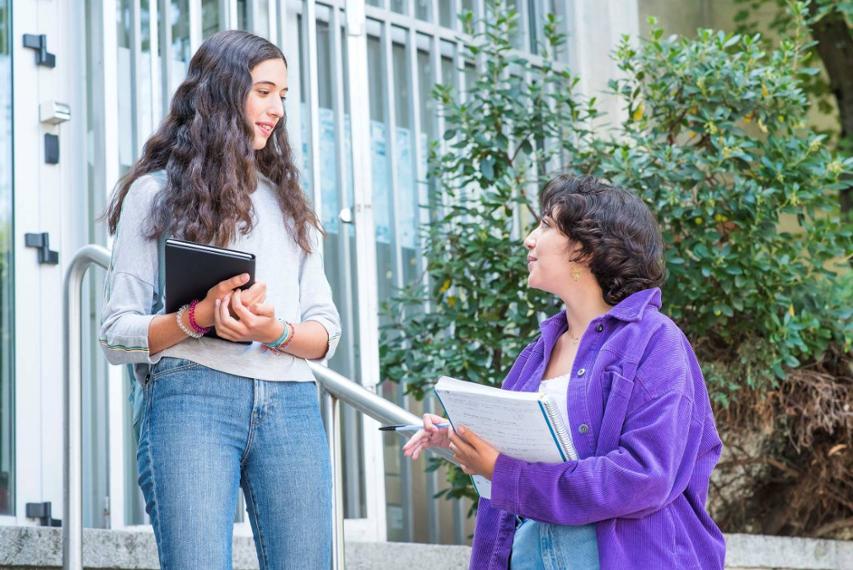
{"x": 505, "y": 483}
{"x": 334, "y": 333}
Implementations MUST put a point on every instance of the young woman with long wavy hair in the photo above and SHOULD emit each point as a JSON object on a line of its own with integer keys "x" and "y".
{"x": 218, "y": 416}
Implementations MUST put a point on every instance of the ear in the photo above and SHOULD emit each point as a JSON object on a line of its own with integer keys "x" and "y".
{"x": 574, "y": 250}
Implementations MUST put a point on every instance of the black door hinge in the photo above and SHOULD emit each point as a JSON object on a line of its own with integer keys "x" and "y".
{"x": 41, "y": 241}
{"x": 41, "y": 511}
{"x": 38, "y": 42}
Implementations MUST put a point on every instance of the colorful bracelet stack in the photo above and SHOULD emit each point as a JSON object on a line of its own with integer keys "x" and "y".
{"x": 194, "y": 330}
{"x": 287, "y": 336}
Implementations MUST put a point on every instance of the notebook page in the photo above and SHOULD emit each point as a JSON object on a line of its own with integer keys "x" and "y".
{"x": 512, "y": 422}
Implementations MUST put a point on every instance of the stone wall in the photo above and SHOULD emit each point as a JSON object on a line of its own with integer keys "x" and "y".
{"x": 37, "y": 548}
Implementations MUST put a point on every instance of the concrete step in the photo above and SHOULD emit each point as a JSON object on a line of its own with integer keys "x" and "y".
{"x": 35, "y": 548}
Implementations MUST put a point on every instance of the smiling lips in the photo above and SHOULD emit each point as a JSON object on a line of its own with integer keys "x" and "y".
{"x": 530, "y": 259}
{"x": 266, "y": 128}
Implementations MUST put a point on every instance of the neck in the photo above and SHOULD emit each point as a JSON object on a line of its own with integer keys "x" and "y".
{"x": 582, "y": 306}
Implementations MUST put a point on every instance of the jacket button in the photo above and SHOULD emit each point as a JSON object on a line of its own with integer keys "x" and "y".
{"x": 599, "y": 328}
{"x": 583, "y": 428}
{"x": 582, "y": 371}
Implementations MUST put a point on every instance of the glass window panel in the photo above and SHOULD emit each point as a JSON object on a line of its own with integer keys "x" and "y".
{"x": 122, "y": 26}
{"x": 535, "y": 21}
{"x": 400, "y": 6}
{"x": 429, "y": 121}
{"x": 407, "y": 200}
{"x": 242, "y": 15}
{"x": 375, "y": 3}
{"x": 261, "y": 18}
{"x": 209, "y": 18}
{"x": 423, "y": 10}
{"x": 7, "y": 300}
{"x": 448, "y": 72}
{"x": 145, "y": 25}
{"x": 179, "y": 20}
{"x": 517, "y": 36}
{"x": 470, "y": 76}
{"x": 446, "y": 17}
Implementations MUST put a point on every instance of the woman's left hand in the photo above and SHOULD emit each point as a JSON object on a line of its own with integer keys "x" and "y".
{"x": 258, "y": 324}
{"x": 475, "y": 456}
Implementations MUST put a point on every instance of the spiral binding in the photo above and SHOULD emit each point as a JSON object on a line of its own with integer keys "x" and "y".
{"x": 560, "y": 428}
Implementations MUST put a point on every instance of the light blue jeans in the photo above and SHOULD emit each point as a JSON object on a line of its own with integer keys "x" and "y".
{"x": 544, "y": 546}
{"x": 204, "y": 435}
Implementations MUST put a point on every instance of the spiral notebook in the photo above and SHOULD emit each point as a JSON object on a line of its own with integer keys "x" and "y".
{"x": 522, "y": 425}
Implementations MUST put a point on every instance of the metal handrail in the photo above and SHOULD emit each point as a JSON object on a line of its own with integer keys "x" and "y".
{"x": 334, "y": 389}
{"x": 72, "y": 515}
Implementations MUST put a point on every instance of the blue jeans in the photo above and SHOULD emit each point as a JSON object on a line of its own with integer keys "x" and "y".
{"x": 544, "y": 546}
{"x": 204, "y": 434}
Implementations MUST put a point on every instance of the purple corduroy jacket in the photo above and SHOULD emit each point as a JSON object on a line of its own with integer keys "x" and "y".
{"x": 641, "y": 421}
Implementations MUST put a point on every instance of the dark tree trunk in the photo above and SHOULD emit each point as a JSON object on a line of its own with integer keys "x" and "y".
{"x": 835, "y": 48}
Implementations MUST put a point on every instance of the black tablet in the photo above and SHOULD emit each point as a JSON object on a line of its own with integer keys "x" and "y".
{"x": 193, "y": 268}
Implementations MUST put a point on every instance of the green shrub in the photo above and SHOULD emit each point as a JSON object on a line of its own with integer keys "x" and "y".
{"x": 715, "y": 142}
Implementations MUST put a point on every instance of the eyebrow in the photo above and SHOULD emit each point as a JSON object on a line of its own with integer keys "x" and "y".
{"x": 265, "y": 82}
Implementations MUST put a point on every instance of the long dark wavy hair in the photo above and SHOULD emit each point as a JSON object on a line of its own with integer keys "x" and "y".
{"x": 205, "y": 147}
{"x": 616, "y": 231}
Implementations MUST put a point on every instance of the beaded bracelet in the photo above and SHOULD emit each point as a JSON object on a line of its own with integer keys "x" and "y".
{"x": 179, "y": 316}
{"x": 193, "y": 323}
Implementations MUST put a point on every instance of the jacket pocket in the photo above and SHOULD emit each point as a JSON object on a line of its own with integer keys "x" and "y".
{"x": 618, "y": 390}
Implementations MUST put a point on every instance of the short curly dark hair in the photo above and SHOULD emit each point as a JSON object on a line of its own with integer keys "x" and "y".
{"x": 616, "y": 231}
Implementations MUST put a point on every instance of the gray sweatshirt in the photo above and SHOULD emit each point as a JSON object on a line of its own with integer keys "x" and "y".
{"x": 296, "y": 286}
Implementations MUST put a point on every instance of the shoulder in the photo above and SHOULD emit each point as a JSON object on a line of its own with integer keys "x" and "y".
{"x": 661, "y": 353}
{"x": 141, "y": 193}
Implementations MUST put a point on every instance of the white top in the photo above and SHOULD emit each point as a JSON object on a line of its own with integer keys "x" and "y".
{"x": 558, "y": 389}
{"x": 296, "y": 286}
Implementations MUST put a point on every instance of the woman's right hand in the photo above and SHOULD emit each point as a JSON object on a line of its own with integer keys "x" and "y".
{"x": 429, "y": 436}
{"x": 254, "y": 295}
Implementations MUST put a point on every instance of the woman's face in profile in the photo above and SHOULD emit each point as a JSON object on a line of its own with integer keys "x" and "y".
{"x": 265, "y": 102}
{"x": 548, "y": 253}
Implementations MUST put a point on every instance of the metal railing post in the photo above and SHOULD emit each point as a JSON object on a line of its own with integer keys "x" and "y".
{"x": 72, "y": 515}
{"x": 332, "y": 411}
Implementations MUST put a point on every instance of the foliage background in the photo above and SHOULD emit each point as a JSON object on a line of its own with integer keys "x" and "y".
{"x": 715, "y": 142}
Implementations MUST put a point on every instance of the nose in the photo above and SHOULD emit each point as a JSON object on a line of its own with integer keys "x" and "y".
{"x": 277, "y": 109}
{"x": 530, "y": 240}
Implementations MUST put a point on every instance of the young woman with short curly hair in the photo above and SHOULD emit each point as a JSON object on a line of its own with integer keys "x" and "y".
{"x": 629, "y": 388}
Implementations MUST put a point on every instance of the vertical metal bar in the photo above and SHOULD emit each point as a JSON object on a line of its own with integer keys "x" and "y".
{"x": 72, "y": 480}
{"x": 251, "y": 15}
{"x": 313, "y": 103}
{"x": 166, "y": 59}
{"x": 368, "y": 322}
{"x": 195, "y": 26}
{"x": 135, "y": 66}
{"x": 72, "y": 526}
{"x": 423, "y": 218}
{"x": 272, "y": 22}
{"x": 332, "y": 412}
{"x": 524, "y": 24}
{"x": 459, "y": 522}
{"x": 106, "y": 175}
{"x": 396, "y": 251}
{"x": 351, "y": 443}
{"x": 154, "y": 84}
{"x": 233, "y": 19}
